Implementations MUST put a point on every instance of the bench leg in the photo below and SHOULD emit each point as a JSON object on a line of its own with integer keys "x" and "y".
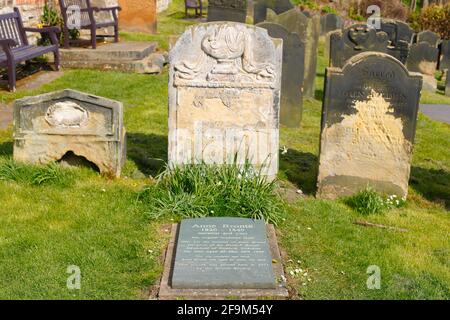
{"x": 12, "y": 77}
{"x": 66, "y": 38}
{"x": 57, "y": 60}
{"x": 94, "y": 38}
{"x": 116, "y": 33}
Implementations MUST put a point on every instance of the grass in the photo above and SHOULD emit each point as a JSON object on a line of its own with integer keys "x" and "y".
{"x": 99, "y": 225}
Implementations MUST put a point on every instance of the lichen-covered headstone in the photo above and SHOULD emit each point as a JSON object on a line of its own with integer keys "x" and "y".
{"x": 308, "y": 29}
{"x": 429, "y": 37}
{"x": 400, "y": 36}
{"x": 227, "y": 10}
{"x": 330, "y": 22}
{"x": 261, "y": 6}
{"x": 50, "y": 126}
{"x": 353, "y": 40}
{"x": 292, "y": 74}
{"x": 368, "y": 126}
{"x": 423, "y": 58}
{"x": 224, "y": 96}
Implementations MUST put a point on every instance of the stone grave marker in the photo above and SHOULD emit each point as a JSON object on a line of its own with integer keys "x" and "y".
{"x": 224, "y": 96}
{"x": 444, "y": 62}
{"x": 138, "y": 15}
{"x": 330, "y": 22}
{"x": 227, "y": 10}
{"x": 68, "y": 123}
{"x": 423, "y": 58}
{"x": 447, "y": 85}
{"x": 368, "y": 126}
{"x": 261, "y": 6}
{"x": 400, "y": 37}
{"x": 429, "y": 37}
{"x": 308, "y": 29}
{"x": 292, "y": 73}
{"x": 353, "y": 40}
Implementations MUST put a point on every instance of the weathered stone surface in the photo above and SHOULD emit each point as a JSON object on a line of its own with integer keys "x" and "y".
{"x": 330, "y": 22}
{"x": 261, "y": 6}
{"x": 429, "y": 37}
{"x": 133, "y": 57}
{"x": 138, "y": 15}
{"x": 224, "y": 96}
{"x": 222, "y": 253}
{"x": 400, "y": 37}
{"x": 227, "y": 10}
{"x": 292, "y": 74}
{"x": 368, "y": 126}
{"x": 444, "y": 62}
{"x": 422, "y": 58}
{"x": 50, "y": 126}
{"x": 308, "y": 29}
{"x": 447, "y": 85}
{"x": 354, "y": 40}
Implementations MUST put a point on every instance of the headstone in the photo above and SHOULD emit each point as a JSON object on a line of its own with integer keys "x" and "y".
{"x": 224, "y": 96}
{"x": 368, "y": 126}
{"x": 309, "y": 31}
{"x": 444, "y": 62}
{"x": 50, "y": 126}
{"x": 423, "y": 58}
{"x": 429, "y": 37}
{"x": 292, "y": 74}
{"x": 138, "y": 16}
{"x": 261, "y": 6}
{"x": 447, "y": 85}
{"x": 400, "y": 36}
{"x": 222, "y": 253}
{"x": 330, "y": 22}
{"x": 227, "y": 10}
{"x": 354, "y": 40}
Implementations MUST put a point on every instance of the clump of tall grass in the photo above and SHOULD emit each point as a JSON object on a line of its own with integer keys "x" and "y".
{"x": 368, "y": 201}
{"x": 52, "y": 173}
{"x": 194, "y": 191}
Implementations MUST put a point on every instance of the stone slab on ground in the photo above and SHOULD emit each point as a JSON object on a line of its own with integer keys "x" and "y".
{"x": 133, "y": 57}
{"x": 438, "y": 112}
{"x": 166, "y": 292}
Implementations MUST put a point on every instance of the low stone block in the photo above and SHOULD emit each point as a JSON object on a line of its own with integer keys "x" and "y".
{"x": 51, "y": 126}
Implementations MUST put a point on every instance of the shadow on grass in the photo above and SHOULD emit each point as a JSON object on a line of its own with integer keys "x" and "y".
{"x": 6, "y": 148}
{"x": 433, "y": 184}
{"x": 148, "y": 151}
{"x": 301, "y": 169}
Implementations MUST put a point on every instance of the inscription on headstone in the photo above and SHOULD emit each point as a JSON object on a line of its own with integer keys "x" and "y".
{"x": 227, "y": 10}
{"x": 368, "y": 126}
{"x": 292, "y": 74}
{"x": 224, "y": 96}
{"x": 222, "y": 253}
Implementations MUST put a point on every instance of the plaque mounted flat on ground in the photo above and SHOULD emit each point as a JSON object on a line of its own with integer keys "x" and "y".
{"x": 219, "y": 253}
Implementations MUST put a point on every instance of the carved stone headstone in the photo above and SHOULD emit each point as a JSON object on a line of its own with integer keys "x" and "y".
{"x": 423, "y": 58}
{"x": 368, "y": 126}
{"x": 308, "y": 29}
{"x": 354, "y": 40}
{"x": 50, "y": 126}
{"x": 444, "y": 63}
{"x": 224, "y": 96}
{"x": 292, "y": 74}
{"x": 400, "y": 37}
{"x": 261, "y": 6}
{"x": 429, "y": 37}
{"x": 330, "y": 22}
{"x": 227, "y": 10}
{"x": 223, "y": 253}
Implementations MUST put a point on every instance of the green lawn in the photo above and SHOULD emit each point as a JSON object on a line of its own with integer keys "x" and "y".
{"x": 97, "y": 224}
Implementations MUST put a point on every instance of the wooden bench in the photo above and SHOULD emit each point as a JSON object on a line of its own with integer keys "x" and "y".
{"x": 15, "y": 48}
{"x": 194, "y": 4}
{"x": 87, "y": 20}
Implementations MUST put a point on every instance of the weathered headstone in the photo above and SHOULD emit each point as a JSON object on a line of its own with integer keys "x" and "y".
{"x": 423, "y": 58}
{"x": 330, "y": 22}
{"x": 222, "y": 253}
{"x": 429, "y": 37}
{"x": 261, "y": 6}
{"x": 51, "y": 126}
{"x": 292, "y": 74}
{"x": 353, "y": 40}
{"x": 368, "y": 126}
{"x": 227, "y": 10}
{"x": 447, "y": 85}
{"x": 444, "y": 61}
{"x": 308, "y": 29}
{"x": 400, "y": 36}
{"x": 138, "y": 15}
{"x": 224, "y": 96}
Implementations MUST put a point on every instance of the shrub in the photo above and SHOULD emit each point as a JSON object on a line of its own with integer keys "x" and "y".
{"x": 194, "y": 191}
{"x": 368, "y": 201}
{"x": 435, "y": 18}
